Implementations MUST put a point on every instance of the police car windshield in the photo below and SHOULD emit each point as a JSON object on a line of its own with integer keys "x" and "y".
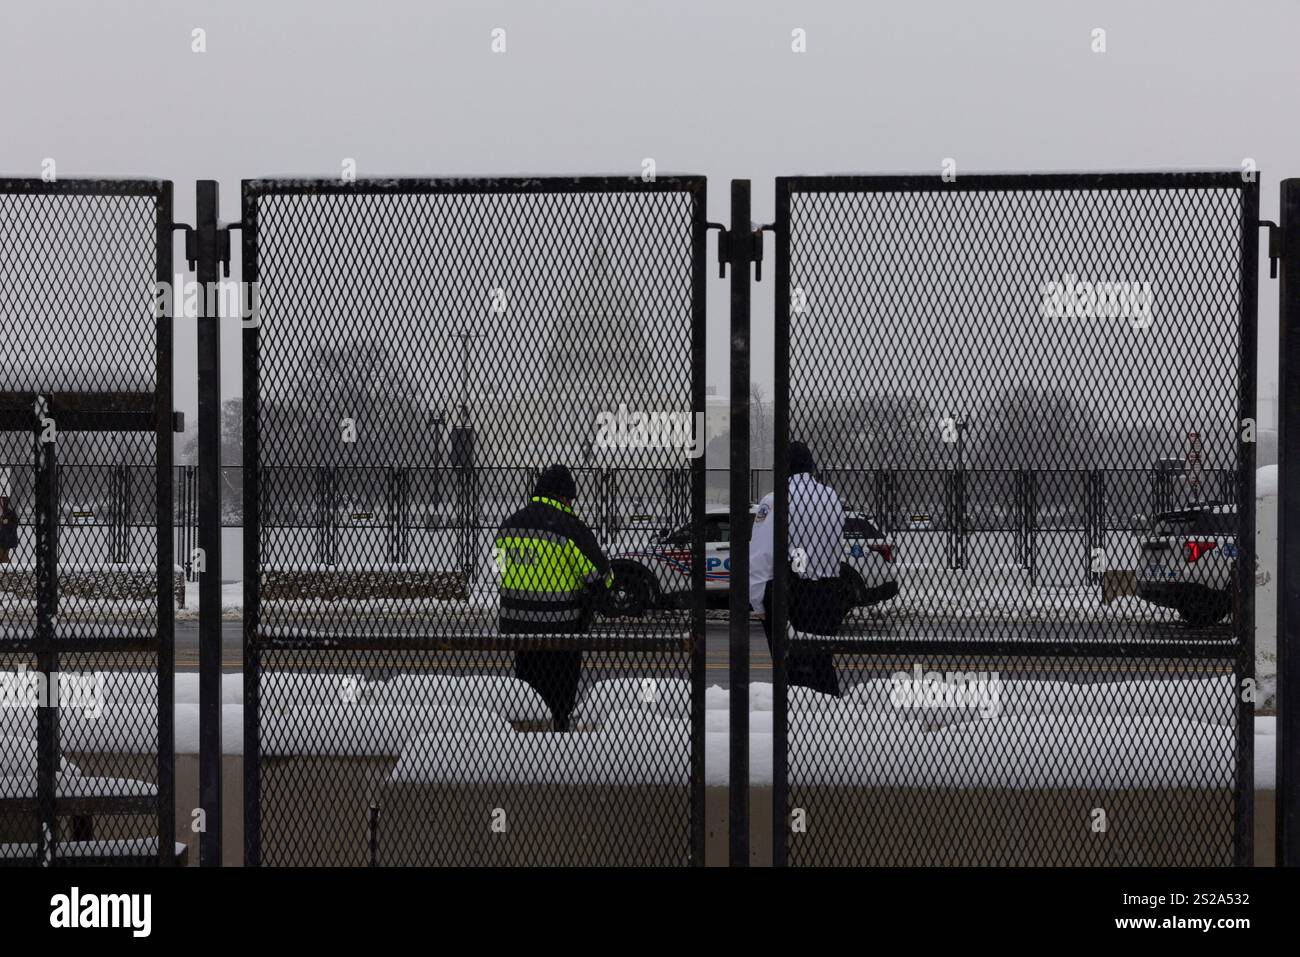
{"x": 679, "y": 536}
{"x": 1194, "y": 522}
{"x": 860, "y": 528}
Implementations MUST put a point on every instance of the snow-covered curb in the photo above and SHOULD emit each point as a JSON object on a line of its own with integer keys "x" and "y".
{"x": 446, "y": 729}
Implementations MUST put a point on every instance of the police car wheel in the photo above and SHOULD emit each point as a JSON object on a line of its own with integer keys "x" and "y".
{"x": 1206, "y": 611}
{"x": 629, "y": 596}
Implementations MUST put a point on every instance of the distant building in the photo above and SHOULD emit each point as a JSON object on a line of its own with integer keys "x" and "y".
{"x": 596, "y": 349}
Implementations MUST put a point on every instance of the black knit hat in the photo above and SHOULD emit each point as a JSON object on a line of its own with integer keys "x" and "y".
{"x": 801, "y": 459}
{"x": 556, "y": 482}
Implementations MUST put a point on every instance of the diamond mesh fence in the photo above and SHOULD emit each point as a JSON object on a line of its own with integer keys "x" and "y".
{"x": 87, "y": 578}
{"x": 454, "y": 652}
{"x": 1018, "y": 427}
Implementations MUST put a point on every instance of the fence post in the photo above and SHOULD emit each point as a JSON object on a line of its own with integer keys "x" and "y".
{"x": 1288, "y": 533}
{"x": 335, "y": 505}
{"x": 404, "y": 514}
{"x": 318, "y": 478}
{"x": 1031, "y": 525}
{"x": 207, "y": 267}
{"x": 950, "y": 510}
{"x": 609, "y": 502}
{"x": 1096, "y": 522}
{"x": 738, "y": 792}
{"x": 1019, "y": 497}
{"x": 390, "y": 513}
{"x": 780, "y": 527}
{"x": 47, "y": 659}
{"x": 124, "y": 527}
{"x": 116, "y": 511}
{"x": 960, "y": 491}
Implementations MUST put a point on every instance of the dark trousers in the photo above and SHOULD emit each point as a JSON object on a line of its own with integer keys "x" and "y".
{"x": 816, "y": 607}
{"x": 554, "y": 675}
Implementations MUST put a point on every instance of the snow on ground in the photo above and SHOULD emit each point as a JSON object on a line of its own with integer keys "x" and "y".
{"x": 232, "y": 602}
{"x": 114, "y": 848}
{"x": 186, "y": 686}
{"x": 1265, "y": 481}
{"x": 18, "y": 755}
{"x": 453, "y": 729}
{"x": 18, "y": 776}
{"x": 658, "y": 753}
{"x": 1266, "y": 754}
{"x": 73, "y": 786}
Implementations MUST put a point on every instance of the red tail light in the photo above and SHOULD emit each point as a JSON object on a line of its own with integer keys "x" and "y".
{"x": 1194, "y": 550}
{"x": 885, "y": 551}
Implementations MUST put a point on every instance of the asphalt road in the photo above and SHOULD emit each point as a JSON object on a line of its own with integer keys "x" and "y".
{"x": 717, "y": 657}
{"x": 232, "y": 650}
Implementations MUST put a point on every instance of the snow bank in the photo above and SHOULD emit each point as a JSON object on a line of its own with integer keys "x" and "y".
{"x": 232, "y": 728}
{"x": 74, "y": 786}
{"x": 657, "y": 754}
{"x": 502, "y": 695}
{"x": 360, "y": 730}
{"x": 874, "y": 750}
{"x": 1046, "y": 735}
{"x": 457, "y": 729}
{"x": 760, "y": 697}
{"x": 1266, "y": 754}
{"x": 1266, "y": 481}
{"x": 18, "y": 770}
{"x": 664, "y": 696}
{"x": 18, "y": 758}
{"x": 186, "y": 688}
{"x": 1190, "y": 699}
{"x": 74, "y": 850}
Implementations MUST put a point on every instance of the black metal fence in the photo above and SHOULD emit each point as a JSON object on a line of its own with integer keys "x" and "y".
{"x": 86, "y": 732}
{"x": 506, "y": 325}
{"x": 110, "y": 509}
{"x": 1030, "y": 338}
{"x": 1011, "y": 377}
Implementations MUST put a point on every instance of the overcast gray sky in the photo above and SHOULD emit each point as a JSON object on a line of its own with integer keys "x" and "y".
{"x": 409, "y": 87}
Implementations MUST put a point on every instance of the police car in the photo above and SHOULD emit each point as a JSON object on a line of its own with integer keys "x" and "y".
{"x": 659, "y": 575}
{"x": 1188, "y": 560}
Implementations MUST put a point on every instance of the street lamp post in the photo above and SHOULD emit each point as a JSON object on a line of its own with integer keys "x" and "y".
{"x": 957, "y": 520}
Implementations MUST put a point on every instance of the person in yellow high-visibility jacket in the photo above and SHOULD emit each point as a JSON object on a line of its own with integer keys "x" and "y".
{"x": 553, "y": 575}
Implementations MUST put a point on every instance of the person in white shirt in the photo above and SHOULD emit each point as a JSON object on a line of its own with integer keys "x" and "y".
{"x": 816, "y": 549}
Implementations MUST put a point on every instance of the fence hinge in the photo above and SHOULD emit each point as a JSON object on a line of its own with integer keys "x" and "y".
{"x": 194, "y": 245}
{"x": 1274, "y": 246}
{"x": 748, "y": 249}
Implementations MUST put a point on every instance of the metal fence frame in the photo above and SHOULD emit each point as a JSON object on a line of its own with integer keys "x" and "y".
{"x": 1285, "y": 245}
{"x": 255, "y": 642}
{"x": 43, "y": 645}
{"x": 1242, "y": 653}
{"x": 114, "y": 412}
